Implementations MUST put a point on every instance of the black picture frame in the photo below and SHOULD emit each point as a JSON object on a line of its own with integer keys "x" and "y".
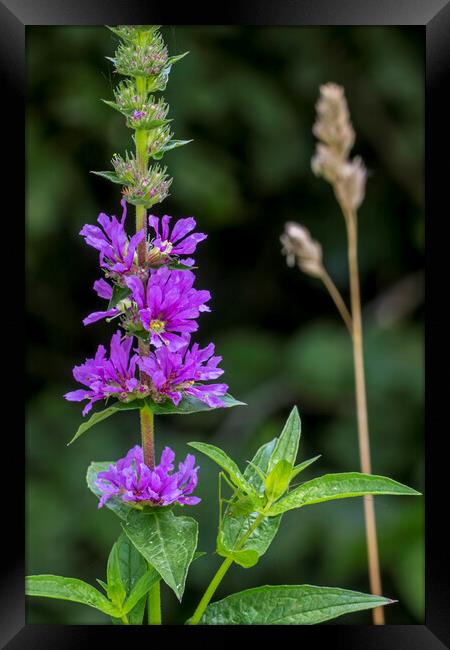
{"x": 434, "y": 17}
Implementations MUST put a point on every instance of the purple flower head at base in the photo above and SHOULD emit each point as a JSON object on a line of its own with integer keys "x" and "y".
{"x": 168, "y": 306}
{"x": 105, "y": 377}
{"x": 116, "y": 250}
{"x": 175, "y": 374}
{"x": 177, "y": 242}
{"x": 138, "y": 485}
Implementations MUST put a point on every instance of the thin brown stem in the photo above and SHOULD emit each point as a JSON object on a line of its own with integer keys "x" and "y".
{"x": 361, "y": 410}
{"x": 337, "y": 299}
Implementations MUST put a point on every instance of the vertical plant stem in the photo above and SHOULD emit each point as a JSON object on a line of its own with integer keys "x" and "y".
{"x": 218, "y": 577}
{"x": 209, "y": 593}
{"x": 154, "y": 604}
{"x": 361, "y": 410}
{"x": 148, "y": 436}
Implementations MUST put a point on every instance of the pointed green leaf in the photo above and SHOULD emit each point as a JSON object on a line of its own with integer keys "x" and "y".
{"x": 141, "y": 589}
{"x": 225, "y": 462}
{"x": 278, "y": 479}
{"x": 172, "y": 144}
{"x": 256, "y": 471}
{"x": 287, "y": 445}
{"x": 306, "y": 463}
{"x": 177, "y": 57}
{"x": 93, "y": 420}
{"x": 187, "y": 405}
{"x": 288, "y": 605}
{"x": 77, "y": 591}
{"x": 132, "y": 567}
{"x": 246, "y": 558}
{"x": 338, "y": 486}
{"x": 115, "y": 588}
{"x": 110, "y": 176}
{"x": 235, "y": 527}
{"x": 167, "y": 542}
{"x": 102, "y": 584}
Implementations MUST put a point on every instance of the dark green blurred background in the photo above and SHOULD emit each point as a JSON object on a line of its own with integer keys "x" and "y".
{"x": 246, "y": 96}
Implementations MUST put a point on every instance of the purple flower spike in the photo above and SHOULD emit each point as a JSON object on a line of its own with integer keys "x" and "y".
{"x": 135, "y": 483}
{"x": 116, "y": 250}
{"x": 174, "y": 374}
{"x": 169, "y": 305}
{"x": 177, "y": 242}
{"x": 105, "y": 377}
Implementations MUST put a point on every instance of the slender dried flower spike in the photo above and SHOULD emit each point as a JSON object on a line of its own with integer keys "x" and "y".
{"x": 336, "y": 136}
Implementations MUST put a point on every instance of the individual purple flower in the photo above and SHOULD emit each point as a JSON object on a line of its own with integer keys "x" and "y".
{"x": 177, "y": 242}
{"x": 105, "y": 377}
{"x": 116, "y": 250}
{"x": 175, "y": 374}
{"x": 168, "y": 306}
{"x": 104, "y": 290}
{"x": 135, "y": 483}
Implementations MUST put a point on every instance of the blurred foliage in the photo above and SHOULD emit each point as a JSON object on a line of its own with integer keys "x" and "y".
{"x": 246, "y": 95}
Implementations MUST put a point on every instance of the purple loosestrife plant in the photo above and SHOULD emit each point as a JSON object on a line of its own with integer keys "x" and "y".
{"x": 154, "y": 368}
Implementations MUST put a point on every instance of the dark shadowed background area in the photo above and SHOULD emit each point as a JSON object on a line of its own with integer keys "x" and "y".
{"x": 246, "y": 96}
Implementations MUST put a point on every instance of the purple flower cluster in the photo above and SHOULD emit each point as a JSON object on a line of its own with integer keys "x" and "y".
{"x": 158, "y": 303}
{"x": 135, "y": 483}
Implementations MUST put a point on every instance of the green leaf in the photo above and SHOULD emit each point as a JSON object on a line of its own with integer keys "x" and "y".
{"x": 174, "y": 59}
{"x": 220, "y": 457}
{"x": 119, "y": 293}
{"x": 278, "y": 479}
{"x": 187, "y": 405}
{"x": 235, "y": 527}
{"x": 287, "y": 445}
{"x": 338, "y": 486}
{"x": 94, "y": 419}
{"x": 132, "y": 567}
{"x": 114, "y": 503}
{"x": 306, "y": 463}
{"x": 244, "y": 557}
{"x": 172, "y": 144}
{"x": 141, "y": 589}
{"x": 110, "y": 176}
{"x": 167, "y": 542}
{"x": 77, "y": 591}
{"x": 102, "y": 584}
{"x": 259, "y": 465}
{"x": 288, "y": 605}
{"x": 116, "y": 589}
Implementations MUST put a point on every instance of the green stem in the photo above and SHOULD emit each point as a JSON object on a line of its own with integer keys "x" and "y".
{"x": 215, "y": 582}
{"x": 209, "y": 593}
{"x": 125, "y": 619}
{"x": 154, "y": 605}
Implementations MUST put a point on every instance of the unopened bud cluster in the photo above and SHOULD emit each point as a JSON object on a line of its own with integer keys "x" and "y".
{"x": 334, "y": 130}
{"x": 147, "y": 59}
{"x": 143, "y": 56}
